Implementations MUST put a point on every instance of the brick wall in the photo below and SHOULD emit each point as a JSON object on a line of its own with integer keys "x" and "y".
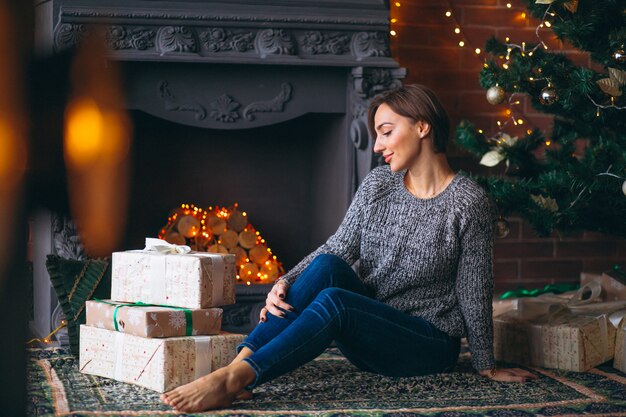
{"x": 428, "y": 47}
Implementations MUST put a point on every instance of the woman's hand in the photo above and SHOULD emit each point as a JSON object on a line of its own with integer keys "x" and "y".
{"x": 508, "y": 374}
{"x": 274, "y": 301}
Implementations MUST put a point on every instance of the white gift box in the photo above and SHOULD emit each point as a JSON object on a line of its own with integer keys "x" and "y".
{"x": 157, "y": 364}
{"x": 189, "y": 280}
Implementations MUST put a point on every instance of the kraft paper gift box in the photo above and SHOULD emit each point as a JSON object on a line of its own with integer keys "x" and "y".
{"x": 502, "y": 306}
{"x": 153, "y": 321}
{"x": 573, "y": 341}
{"x": 190, "y": 280}
{"x": 157, "y": 364}
{"x": 613, "y": 284}
{"x": 619, "y": 360}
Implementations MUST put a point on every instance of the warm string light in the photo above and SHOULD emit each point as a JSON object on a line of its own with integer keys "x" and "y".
{"x": 393, "y": 32}
{"x": 47, "y": 339}
{"x": 546, "y": 23}
{"x": 457, "y": 29}
{"x": 203, "y": 240}
{"x": 600, "y": 106}
{"x": 524, "y": 51}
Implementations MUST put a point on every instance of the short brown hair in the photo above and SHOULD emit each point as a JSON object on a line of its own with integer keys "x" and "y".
{"x": 418, "y": 103}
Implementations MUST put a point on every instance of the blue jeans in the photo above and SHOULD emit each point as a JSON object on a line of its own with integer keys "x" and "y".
{"x": 332, "y": 304}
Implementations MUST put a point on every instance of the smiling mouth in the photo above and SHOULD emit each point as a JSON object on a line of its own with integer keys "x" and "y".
{"x": 387, "y": 158}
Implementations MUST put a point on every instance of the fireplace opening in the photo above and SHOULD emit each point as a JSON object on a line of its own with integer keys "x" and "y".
{"x": 291, "y": 177}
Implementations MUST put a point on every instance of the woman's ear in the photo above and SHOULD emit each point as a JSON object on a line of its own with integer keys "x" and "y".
{"x": 422, "y": 128}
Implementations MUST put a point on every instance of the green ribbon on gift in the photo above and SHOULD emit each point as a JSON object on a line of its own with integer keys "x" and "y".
{"x": 550, "y": 288}
{"x": 188, "y": 316}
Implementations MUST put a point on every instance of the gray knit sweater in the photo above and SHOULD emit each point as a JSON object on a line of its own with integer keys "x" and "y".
{"x": 430, "y": 258}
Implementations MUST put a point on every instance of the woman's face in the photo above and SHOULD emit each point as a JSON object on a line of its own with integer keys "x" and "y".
{"x": 398, "y": 138}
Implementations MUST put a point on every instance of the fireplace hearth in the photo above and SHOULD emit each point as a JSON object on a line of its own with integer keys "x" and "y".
{"x": 260, "y": 103}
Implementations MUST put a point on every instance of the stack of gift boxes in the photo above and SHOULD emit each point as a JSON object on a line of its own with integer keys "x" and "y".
{"x": 162, "y": 328}
{"x": 575, "y": 331}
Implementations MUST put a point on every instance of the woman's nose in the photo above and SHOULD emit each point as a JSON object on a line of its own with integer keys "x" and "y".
{"x": 378, "y": 146}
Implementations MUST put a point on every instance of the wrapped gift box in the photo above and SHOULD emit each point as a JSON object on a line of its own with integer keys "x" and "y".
{"x": 567, "y": 341}
{"x": 157, "y": 364}
{"x": 619, "y": 361}
{"x": 190, "y": 280}
{"x": 153, "y": 321}
{"x": 613, "y": 284}
{"x": 502, "y": 306}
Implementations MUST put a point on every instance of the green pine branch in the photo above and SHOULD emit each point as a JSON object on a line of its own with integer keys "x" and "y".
{"x": 576, "y": 183}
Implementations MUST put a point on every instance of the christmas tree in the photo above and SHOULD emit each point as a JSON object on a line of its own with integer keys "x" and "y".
{"x": 572, "y": 177}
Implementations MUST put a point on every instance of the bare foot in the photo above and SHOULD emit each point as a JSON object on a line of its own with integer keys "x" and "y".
{"x": 217, "y": 390}
{"x": 243, "y": 395}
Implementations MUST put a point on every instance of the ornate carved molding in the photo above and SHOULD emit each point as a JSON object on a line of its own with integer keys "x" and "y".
{"x": 205, "y": 43}
{"x": 224, "y": 109}
{"x": 176, "y": 39}
{"x": 221, "y": 40}
{"x": 66, "y": 241}
{"x": 139, "y": 38}
{"x": 244, "y": 316}
{"x": 370, "y": 81}
{"x": 68, "y": 35}
{"x": 317, "y": 42}
{"x": 171, "y": 103}
{"x": 370, "y": 44}
{"x": 276, "y": 104}
{"x": 94, "y": 14}
{"x": 359, "y": 134}
{"x": 367, "y": 82}
{"x": 274, "y": 42}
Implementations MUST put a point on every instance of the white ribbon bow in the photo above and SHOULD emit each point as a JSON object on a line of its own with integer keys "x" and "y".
{"x": 161, "y": 246}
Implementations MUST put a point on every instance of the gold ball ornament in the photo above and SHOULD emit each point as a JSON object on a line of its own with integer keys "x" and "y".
{"x": 548, "y": 96}
{"x": 619, "y": 56}
{"x": 495, "y": 95}
{"x": 502, "y": 228}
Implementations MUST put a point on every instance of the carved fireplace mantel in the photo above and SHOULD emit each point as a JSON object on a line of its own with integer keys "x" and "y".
{"x": 295, "y": 32}
{"x": 236, "y": 65}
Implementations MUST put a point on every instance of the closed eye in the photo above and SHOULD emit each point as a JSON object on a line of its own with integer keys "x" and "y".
{"x": 387, "y": 133}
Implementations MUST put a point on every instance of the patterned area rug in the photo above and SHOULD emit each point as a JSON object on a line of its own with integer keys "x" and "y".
{"x": 331, "y": 387}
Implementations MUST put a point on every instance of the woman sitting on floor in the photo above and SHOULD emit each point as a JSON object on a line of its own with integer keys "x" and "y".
{"x": 423, "y": 236}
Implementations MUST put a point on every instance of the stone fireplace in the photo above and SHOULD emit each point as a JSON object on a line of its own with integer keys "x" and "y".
{"x": 256, "y": 102}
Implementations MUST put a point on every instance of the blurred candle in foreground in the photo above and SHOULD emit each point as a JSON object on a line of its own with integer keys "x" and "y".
{"x": 13, "y": 148}
{"x": 96, "y": 148}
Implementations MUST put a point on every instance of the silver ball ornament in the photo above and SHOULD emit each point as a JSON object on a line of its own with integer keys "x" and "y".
{"x": 619, "y": 56}
{"x": 624, "y": 187}
{"x": 495, "y": 95}
{"x": 548, "y": 96}
{"x": 502, "y": 228}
